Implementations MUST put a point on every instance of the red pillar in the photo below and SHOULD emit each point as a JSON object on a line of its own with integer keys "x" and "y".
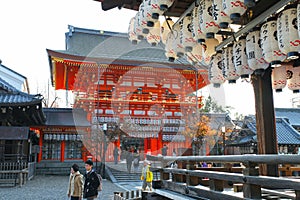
{"x": 62, "y": 152}
{"x": 41, "y": 146}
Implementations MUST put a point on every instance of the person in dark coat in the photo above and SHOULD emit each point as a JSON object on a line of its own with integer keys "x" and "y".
{"x": 91, "y": 182}
{"x": 129, "y": 159}
{"x": 116, "y": 155}
{"x": 164, "y": 150}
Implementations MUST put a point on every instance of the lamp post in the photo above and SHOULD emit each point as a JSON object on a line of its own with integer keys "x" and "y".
{"x": 223, "y": 129}
{"x": 104, "y": 127}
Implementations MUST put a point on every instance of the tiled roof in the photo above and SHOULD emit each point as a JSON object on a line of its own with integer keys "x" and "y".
{"x": 292, "y": 114}
{"x": 65, "y": 117}
{"x": 114, "y": 46}
{"x": 11, "y": 96}
{"x": 286, "y": 134}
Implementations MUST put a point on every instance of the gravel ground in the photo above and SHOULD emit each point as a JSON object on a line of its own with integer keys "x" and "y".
{"x": 50, "y": 187}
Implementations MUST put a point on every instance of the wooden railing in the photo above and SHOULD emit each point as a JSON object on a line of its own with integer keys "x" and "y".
{"x": 130, "y": 195}
{"x": 226, "y": 181}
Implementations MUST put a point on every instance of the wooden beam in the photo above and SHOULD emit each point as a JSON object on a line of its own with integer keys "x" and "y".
{"x": 265, "y": 118}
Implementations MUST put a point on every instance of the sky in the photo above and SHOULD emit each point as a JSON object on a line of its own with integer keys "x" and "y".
{"x": 30, "y": 27}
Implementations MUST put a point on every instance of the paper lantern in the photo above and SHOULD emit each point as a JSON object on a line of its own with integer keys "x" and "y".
{"x": 165, "y": 4}
{"x": 215, "y": 74}
{"x": 169, "y": 50}
{"x": 153, "y": 37}
{"x": 229, "y": 69}
{"x": 279, "y": 78}
{"x": 166, "y": 29}
{"x": 195, "y": 57}
{"x": 197, "y": 33}
{"x": 254, "y": 52}
{"x": 177, "y": 46}
{"x": 131, "y": 34}
{"x": 293, "y": 76}
{"x": 207, "y": 23}
{"x": 234, "y": 9}
{"x": 288, "y": 39}
{"x": 269, "y": 43}
{"x": 151, "y": 12}
{"x": 186, "y": 37}
{"x": 140, "y": 27}
{"x": 240, "y": 58}
{"x": 220, "y": 17}
{"x": 209, "y": 49}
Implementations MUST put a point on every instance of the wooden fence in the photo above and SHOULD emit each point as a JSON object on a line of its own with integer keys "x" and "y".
{"x": 225, "y": 181}
{"x": 130, "y": 195}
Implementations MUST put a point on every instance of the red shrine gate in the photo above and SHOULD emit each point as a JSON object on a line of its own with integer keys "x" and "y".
{"x": 148, "y": 103}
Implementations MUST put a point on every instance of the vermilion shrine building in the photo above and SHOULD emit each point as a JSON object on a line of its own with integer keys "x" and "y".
{"x": 133, "y": 89}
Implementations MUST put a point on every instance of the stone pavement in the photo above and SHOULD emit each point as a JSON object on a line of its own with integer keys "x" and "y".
{"x": 51, "y": 188}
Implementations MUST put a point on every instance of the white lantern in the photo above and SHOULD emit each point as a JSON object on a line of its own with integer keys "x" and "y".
{"x": 166, "y": 29}
{"x": 254, "y": 52}
{"x": 220, "y": 17}
{"x": 269, "y": 43}
{"x": 240, "y": 58}
{"x": 165, "y": 4}
{"x": 151, "y": 12}
{"x": 207, "y": 23}
{"x": 293, "y": 76}
{"x": 197, "y": 33}
{"x": 177, "y": 46}
{"x": 234, "y": 9}
{"x": 230, "y": 73}
{"x": 288, "y": 39}
{"x": 131, "y": 34}
{"x": 279, "y": 78}
{"x": 186, "y": 37}
{"x": 139, "y": 27}
{"x": 196, "y": 56}
{"x": 215, "y": 70}
{"x": 153, "y": 37}
{"x": 169, "y": 51}
{"x": 209, "y": 49}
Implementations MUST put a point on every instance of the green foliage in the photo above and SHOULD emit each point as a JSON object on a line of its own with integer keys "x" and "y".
{"x": 211, "y": 106}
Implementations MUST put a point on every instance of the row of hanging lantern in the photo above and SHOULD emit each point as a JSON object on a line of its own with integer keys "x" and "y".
{"x": 275, "y": 43}
{"x": 146, "y": 22}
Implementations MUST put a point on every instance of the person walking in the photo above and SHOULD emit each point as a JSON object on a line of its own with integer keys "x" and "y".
{"x": 164, "y": 150}
{"x": 91, "y": 182}
{"x": 75, "y": 187}
{"x": 129, "y": 159}
{"x": 136, "y": 162}
{"x": 147, "y": 176}
{"x": 174, "y": 152}
{"x": 116, "y": 155}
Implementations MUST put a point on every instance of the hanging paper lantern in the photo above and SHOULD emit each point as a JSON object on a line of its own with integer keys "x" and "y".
{"x": 230, "y": 73}
{"x": 288, "y": 39}
{"x": 166, "y": 29}
{"x": 234, "y": 9}
{"x": 169, "y": 51}
{"x": 269, "y": 43}
{"x": 293, "y": 76}
{"x": 195, "y": 57}
{"x": 140, "y": 27}
{"x": 151, "y": 12}
{"x": 131, "y": 34}
{"x": 177, "y": 46}
{"x": 279, "y": 78}
{"x": 153, "y": 37}
{"x": 197, "y": 33}
{"x": 209, "y": 49}
{"x": 165, "y": 4}
{"x": 254, "y": 52}
{"x": 220, "y": 17}
{"x": 240, "y": 58}
{"x": 207, "y": 23}
{"x": 186, "y": 37}
{"x": 215, "y": 74}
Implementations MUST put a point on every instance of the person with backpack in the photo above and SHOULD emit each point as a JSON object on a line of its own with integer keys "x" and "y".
{"x": 147, "y": 176}
{"x": 75, "y": 187}
{"x": 91, "y": 182}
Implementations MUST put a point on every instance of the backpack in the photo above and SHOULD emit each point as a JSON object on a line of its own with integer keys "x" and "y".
{"x": 100, "y": 181}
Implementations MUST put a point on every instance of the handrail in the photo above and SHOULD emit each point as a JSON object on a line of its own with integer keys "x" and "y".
{"x": 253, "y": 158}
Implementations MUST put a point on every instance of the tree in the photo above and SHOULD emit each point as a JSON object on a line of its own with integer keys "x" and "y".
{"x": 211, "y": 106}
